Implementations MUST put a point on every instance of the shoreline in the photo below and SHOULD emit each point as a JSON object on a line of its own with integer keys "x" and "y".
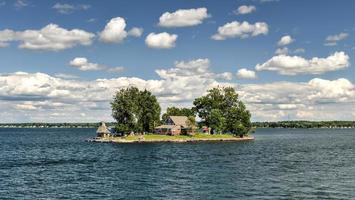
{"x": 171, "y": 140}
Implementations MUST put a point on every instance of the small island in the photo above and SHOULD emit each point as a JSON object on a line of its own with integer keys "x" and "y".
{"x": 222, "y": 117}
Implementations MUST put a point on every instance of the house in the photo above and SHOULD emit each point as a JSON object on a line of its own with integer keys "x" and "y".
{"x": 103, "y": 131}
{"x": 174, "y": 125}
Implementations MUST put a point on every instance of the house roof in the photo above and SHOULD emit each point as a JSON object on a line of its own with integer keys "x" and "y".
{"x": 167, "y": 127}
{"x": 102, "y": 128}
{"x": 179, "y": 120}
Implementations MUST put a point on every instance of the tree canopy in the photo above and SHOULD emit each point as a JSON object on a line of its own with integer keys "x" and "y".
{"x": 174, "y": 111}
{"x": 135, "y": 110}
{"x": 222, "y": 111}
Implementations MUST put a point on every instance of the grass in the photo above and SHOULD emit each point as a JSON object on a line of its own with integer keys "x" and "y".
{"x": 179, "y": 137}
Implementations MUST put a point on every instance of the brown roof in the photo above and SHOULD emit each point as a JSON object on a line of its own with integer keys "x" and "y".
{"x": 179, "y": 120}
{"x": 167, "y": 127}
{"x": 102, "y": 128}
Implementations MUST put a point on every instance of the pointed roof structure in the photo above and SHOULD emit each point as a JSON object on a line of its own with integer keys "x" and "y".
{"x": 102, "y": 129}
{"x": 179, "y": 120}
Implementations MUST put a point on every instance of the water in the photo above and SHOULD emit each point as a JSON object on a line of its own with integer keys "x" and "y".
{"x": 279, "y": 164}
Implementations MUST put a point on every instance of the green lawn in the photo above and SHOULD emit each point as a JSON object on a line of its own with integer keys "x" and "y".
{"x": 177, "y": 137}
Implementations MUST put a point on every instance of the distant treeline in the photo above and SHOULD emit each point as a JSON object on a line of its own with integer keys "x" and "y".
{"x": 52, "y": 125}
{"x": 280, "y": 124}
{"x": 305, "y": 124}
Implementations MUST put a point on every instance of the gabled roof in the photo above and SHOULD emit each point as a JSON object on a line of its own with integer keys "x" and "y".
{"x": 179, "y": 120}
{"x": 102, "y": 128}
{"x": 167, "y": 127}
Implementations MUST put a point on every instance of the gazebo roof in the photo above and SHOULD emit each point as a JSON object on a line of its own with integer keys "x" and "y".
{"x": 102, "y": 128}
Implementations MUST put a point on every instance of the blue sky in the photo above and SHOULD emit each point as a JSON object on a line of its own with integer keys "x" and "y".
{"x": 314, "y": 29}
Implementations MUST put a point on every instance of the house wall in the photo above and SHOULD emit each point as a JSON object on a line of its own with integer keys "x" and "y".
{"x": 168, "y": 131}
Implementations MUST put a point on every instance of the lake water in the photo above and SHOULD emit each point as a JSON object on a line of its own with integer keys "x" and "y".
{"x": 279, "y": 164}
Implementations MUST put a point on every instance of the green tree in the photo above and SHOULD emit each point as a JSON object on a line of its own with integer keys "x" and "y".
{"x": 174, "y": 111}
{"x": 216, "y": 121}
{"x": 222, "y": 111}
{"x": 135, "y": 110}
{"x": 148, "y": 112}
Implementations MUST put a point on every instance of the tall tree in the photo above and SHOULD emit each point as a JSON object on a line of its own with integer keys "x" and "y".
{"x": 174, "y": 111}
{"x": 222, "y": 111}
{"x": 135, "y": 110}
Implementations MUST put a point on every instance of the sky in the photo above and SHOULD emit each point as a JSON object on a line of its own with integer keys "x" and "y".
{"x": 62, "y": 61}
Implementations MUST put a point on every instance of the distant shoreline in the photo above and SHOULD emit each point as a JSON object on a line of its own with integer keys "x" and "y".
{"x": 279, "y": 124}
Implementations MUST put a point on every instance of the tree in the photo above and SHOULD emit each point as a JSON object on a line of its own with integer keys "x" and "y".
{"x": 222, "y": 111}
{"x": 191, "y": 124}
{"x": 216, "y": 121}
{"x": 135, "y": 110}
{"x": 173, "y": 111}
{"x": 148, "y": 112}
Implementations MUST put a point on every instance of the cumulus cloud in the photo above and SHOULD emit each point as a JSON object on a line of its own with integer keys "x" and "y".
{"x": 21, "y": 93}
{"x": 332, "y": 40}
{"x": 114, "y": 31}
{"x": 293, "y": 65}
{"x": 51, "y": 37}
{"x": 242, "y": 30}
{"x": 161, "y": 40}
{"x": 64, "y": 8}
{"x": 244, "y": 9}
{"x": 285, "y": 40}
{"x": 317, "y": 99}
{"x": 183, "y": 18}
{"x": 83, "y": 64}
{"x": 246, "y": 74}
{"x": 135, "y": 32}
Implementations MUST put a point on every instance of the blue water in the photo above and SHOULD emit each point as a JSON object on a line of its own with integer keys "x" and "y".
{"x": 279, "y": 164}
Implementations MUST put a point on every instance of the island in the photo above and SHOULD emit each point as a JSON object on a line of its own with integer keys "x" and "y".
{"x": 221, "y": 117}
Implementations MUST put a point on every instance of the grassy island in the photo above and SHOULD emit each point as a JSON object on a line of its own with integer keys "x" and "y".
{"x": 222, "y": 117}
{"x": 150, "y": 138}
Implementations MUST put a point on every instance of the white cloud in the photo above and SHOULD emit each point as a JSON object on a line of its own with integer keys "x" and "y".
{"x": 161, "y": 40}
{"x": 183, "y": 17}
{"x": 83, "y": 64}
{"x": 336, "y": 90}
{"x": 332, "y": 40}
{"x": 225, "y": 76}
{"x": 135, "y": 32}
{"x": 51, "y": 37}
{"x": 241, "y": 30}
{"x": 66, "y": 76}
{"x": 114, "y": 31}
{"x": 285, "y": 40}
{"x": 244, "y": 9}
{"x": 25, "y": 107}
{"x": 20, "y": 4}
{"x": 293, "y": 65}
{"x": 64, "y": 8}
{"x": 246, "y": 74}
{"x": 41, "y": 97}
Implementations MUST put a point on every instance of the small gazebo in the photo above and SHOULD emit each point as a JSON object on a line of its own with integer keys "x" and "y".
{"x": 103, "y": 131}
